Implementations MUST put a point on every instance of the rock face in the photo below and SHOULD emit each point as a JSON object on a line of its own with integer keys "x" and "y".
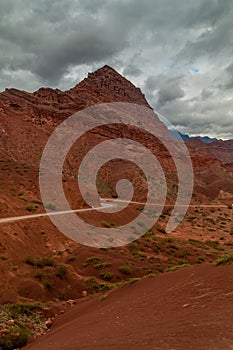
{"x": 26, "y": 119}
{"x": 219, "y": 149}
{"x": 106, "y": 85}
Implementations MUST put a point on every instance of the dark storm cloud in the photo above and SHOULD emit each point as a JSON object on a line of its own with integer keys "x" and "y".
{"x": 176, "y": 51}
{"x": 51, "y": 37}
{"x": 167, "y": 88}
{"x": 206, "y": 93}
{"x": 132, "y": 70}
{"x": 208, "y": 12}
{"x": 169, "y": 93}
{"x": 229, "y": 78}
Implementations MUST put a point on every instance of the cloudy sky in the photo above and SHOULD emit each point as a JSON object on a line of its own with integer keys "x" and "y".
{"x": 179, "y": 52}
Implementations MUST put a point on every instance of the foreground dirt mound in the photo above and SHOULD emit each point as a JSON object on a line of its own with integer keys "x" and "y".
{"x": 187, "y": 309}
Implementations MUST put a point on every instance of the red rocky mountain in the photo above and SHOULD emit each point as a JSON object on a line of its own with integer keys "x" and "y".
{"x": 26, "y": 122}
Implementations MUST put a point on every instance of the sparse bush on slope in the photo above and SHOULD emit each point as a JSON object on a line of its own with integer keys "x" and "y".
{"x": 225, "y": 259}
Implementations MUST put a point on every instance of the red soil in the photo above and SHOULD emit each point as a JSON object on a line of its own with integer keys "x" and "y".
{"x": 222, "y": 150}
{"x": 187, "y": 309}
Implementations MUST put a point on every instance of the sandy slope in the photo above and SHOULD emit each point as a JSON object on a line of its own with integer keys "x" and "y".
{"x": 187, "y": 309}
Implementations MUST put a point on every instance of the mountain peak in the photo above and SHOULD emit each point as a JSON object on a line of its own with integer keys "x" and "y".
{"x": 107, "y": 68}
{"x": 107, "y": 85}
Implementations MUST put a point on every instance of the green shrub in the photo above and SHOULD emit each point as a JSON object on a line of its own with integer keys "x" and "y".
{"x": 71, "y": 258}
{"x": 31, "y": 207}
{"x": 61, "y": 271}
{"x": 17, "y": 334}
{"x": 195, "y": 241}
{"x": 47, "y": 282}
{"x": 107, "y": 276}
{"x": 23, "y": 198}
{"x": 213, "y": 244}
{"x": 3, "y": 257}
{"x": 59, "y": 252}
{"x": 39, "y": 261}
{"x": 226, "y": 259}
{"x": 102, "y": 265}
{"x": 126, "y": 270}
{"x": 150, "y": 275}
{"x": 160, "y": 229}
{"x": 17, "y": 337}
{"x": 134, "y": 280}
{"x": 19, "y": 309}
{"x": 184, "y": 254}
{"x": 44, "y": 278}
{"x": 103, "y": 297}
{"x": 176, "y": 267}
{"x": 92, "y": 260}
{"x": 92, "y": 284}
{"x": 106, "y": 224}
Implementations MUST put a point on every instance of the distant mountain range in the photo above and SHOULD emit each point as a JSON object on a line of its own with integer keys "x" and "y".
{"x": 218, "y": 149}
{"x": 186, "y": 137}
